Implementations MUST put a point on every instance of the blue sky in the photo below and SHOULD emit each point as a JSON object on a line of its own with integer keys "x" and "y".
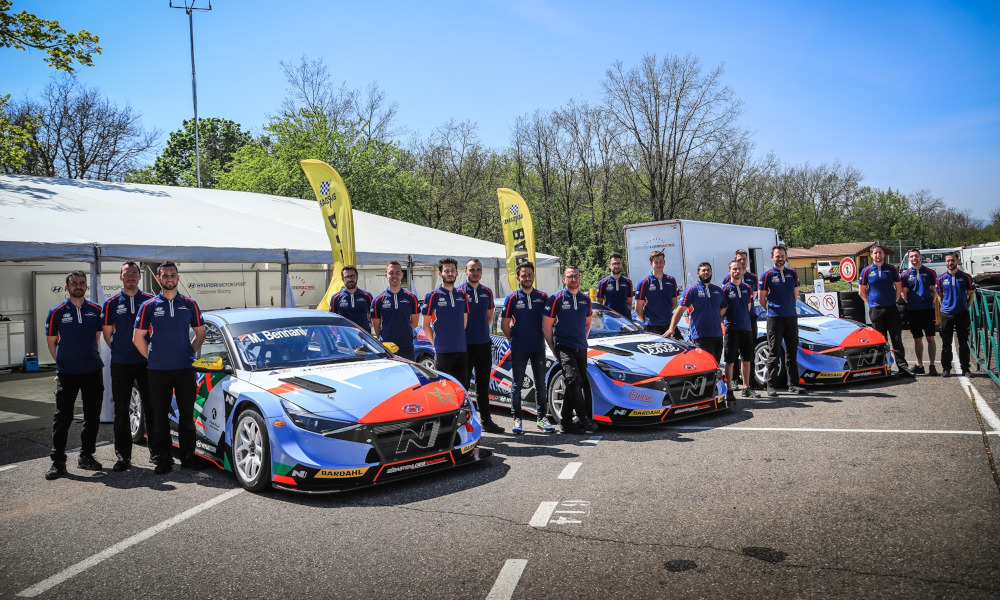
{"x": 907, "y": 92}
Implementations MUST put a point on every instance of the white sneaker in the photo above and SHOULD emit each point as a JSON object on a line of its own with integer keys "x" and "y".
{"x": 517, "y": 427}
{"x": 544, "y": 425}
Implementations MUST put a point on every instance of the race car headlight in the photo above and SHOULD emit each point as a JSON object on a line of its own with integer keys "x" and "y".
{"x": 313, "y": 422}
{"x": 812, "y": 347}
{"x": 621, "y": 375}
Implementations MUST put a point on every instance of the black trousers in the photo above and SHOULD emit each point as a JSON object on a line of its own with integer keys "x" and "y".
{"x": 455, "y": 364}
{"x": 885, "y": 320}
{"x": 782, "y": 329}
{"x": 68, "y": 385}
{"x": 480, "y": 360}
{"x": 519, "y": 366}
{"x": 123, "y": 377}
{"x": 955, "y": 324}
{"x": 712, "y": 345}
{"x": 574, "y": 367}
{"x": 163, "y": 386}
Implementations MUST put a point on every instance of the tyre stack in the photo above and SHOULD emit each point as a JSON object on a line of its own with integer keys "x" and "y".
{"x": 852, "y": 306}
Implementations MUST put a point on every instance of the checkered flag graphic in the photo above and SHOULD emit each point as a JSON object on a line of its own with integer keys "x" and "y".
{"x": 513, "y": 210}
{"x": 324, "y": 188}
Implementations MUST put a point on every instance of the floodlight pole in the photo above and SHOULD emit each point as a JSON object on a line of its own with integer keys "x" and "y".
{"x": 194, "y": 81}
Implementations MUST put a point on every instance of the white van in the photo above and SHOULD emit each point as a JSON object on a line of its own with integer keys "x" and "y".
{"x": 828, "y": 269}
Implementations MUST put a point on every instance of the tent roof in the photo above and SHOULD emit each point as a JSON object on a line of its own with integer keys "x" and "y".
{"x": 46, "y": 218}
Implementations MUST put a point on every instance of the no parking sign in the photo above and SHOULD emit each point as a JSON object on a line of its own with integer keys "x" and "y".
{"x": 828, "y": 303}
{"x": 848, "y": 269}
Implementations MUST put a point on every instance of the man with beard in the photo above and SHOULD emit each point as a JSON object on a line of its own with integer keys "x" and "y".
{"x": 395, "y": 312}
{"x": 479, "y": 347}
{"x": 707, "y": 306}
{"x": 566, "y": 326}
{"x": 739, "y": 339}
{"x": 779, "y": 291}
{"x": 615, "y": 291}
{"x": 71, "y": 333}
{"x": 352, "y": 302}
{"x": 521, "y": 322}
{"x": 446, "y": 313}
{"x": 168, "y": 318}
{"x": 956, "y": 289}
{"x": 656, "y": 296}
{"x": 880, "y": 287}
{"x": 750, "y": 279}
{"x": 128, "y": 367}
{"x": 919, "y": 291}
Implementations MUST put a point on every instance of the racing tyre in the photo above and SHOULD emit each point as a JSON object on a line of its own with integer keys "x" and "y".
{"x": 426, "y": 361}
{"x": 760, "y": 364}
{"x": 251, "y": 452}
{"x": 557, "y": 394}
{"x": 136, "y": 419}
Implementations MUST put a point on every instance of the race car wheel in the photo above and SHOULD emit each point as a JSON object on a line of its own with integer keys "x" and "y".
{"x": 251, "y": 452}
{"x": 136, "y": 421}
{"x": 426, "y": 361}
{"x": 760, "y": 364}
{"x": 557, "y": 393}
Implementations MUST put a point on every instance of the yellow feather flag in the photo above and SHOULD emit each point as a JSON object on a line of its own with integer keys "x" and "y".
{"x": 338, "y": 217}
{"x": 518, "y": 232}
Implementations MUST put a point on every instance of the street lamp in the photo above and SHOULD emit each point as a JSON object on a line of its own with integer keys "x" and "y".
{"x": 189, "y": 8}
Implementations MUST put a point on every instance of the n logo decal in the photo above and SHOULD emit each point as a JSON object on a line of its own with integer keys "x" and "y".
{"x": 424, "y": 439}
{"x": 868, "y": 358}
{"x": 695, "y": 386}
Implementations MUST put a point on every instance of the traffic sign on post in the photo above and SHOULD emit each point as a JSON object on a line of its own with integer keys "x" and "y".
{"x": 848, "y": 270}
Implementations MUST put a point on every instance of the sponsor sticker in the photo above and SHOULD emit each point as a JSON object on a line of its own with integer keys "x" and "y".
{"x": 341, "y": 473}
{"x": 468, "y": 447}
{"x": 417, "y": 465}
{"x": 688, "y": 409}
{"x": 646, "y": 412}
{"x": 831, "y": 375}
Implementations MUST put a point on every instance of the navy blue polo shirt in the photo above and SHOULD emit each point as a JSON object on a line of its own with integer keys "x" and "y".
{"x": 658, "y": 295}
{"x": 119, "y": 311}
{"x": 447, "y": 309}
{"x": 169, "y": 323}
{"x": 954, "y": 291}
{"x": 525, "y": 312}
{"x": 614, "y": 293}
{"x": 881, "y": 282}
{"x": 395, "y": 311}
{"x": 921, "y": 283}
{"x": 748, "y": 278}
{"x": 480, "y": 304}
{"x": 738, "y": 302}
{"x": 706, "y": 302}
{"x": 570, "y": 312}
{"x": 76, "y": 349}
{"x": 355, "y": 307}
{"x": 780, "y": 287}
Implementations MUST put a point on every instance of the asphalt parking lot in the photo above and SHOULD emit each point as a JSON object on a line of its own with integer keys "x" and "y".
{"x": 878, "y": 490}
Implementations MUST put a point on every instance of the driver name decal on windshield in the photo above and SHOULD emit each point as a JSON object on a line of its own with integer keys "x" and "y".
{"x": 274, "y": 334}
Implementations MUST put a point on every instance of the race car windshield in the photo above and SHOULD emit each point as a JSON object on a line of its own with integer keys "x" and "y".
{"x": 606, "y": 323}
{"x": 296, "y": 345}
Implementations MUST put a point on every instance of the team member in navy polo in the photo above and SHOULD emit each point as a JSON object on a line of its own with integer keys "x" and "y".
{"x": 128, "y": 367}
{"x": 656, "y": 296}
{"x": 779, "y": 291}
{"x": 446, "y": 313}
{"x": 919, "y": 291}
{"x": 395, "y": 312}
{"x": 956, "y": 290}
{"x": 748, "y": 278}
{"x": 352, "y": 302}
{"x": 168, "y": 319}
{"x": 479, "y": 347}
{"x": 566, "y": 326}
{"x": 71, "y": 333}
{"x": 615, "y": 290}
{"x": 880, "y": 286}
{"x": 707, "y": 305}
{"x": 739, "y": 336}
{"x": 521, "y": 322}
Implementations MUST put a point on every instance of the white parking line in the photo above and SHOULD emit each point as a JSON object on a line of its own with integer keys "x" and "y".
{"x": 829, "y": 430}
{"x": 984, "y": 409}
{"x": 510, "y": 574}
{"x": 569, "y": 471}
{"x": 543, "y": 514}
{"x": 100, "y": 557}
{"x": 7, "y": 468}
{"x": 591, "y": 441}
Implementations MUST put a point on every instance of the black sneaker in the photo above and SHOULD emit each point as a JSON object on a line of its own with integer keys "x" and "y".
{"x": 490, "y": 427}
{"x": 193, "y": 462}
{"x": 749, "y": 393}
{"x": 794, "y": 389}
{"x": 966, "y": 373}
{"x": 589, "y": 426}
{"x": 905, "y": 372}
{"x": 931, "y": 371}
{"x": 123, "y": 464}
{"x": 771, "y": 392}
{"x": 87, "y": 463}
{"x": 57, "y": 470}
{"x": 162, "y": 468}
{"x": 918, "y": 370}
{"x": 572, "y": 429}
{"x": 946, "y": 373}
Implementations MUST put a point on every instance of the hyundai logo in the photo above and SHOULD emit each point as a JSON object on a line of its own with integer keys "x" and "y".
{"x": 863, "y": 340}
{"x": 412, "y": 409}
{"x": 56, "y": 289}
{"x": 689, "y": 367}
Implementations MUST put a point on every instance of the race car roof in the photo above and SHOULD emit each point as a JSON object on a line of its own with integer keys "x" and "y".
{"x": 49, "y": 218}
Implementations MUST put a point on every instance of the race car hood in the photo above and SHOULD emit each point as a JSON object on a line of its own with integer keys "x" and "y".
{"x": 650, "y": 354}
{"x": 364, "y": 392}
{"x": 837, "y": 332}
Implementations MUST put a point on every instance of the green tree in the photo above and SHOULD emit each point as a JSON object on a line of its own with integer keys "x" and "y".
{"x": 16, "y": 138}
{"x": 23, "y": 31}
{"x": 219, "y": 140}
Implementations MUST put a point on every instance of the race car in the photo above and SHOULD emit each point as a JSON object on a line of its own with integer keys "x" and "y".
{"x": 634, "y": 378}
{"x": 831, "y": 350}
{"x": 304, "y": 400}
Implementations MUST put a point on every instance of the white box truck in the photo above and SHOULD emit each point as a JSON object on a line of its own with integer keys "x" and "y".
{"x": 685, "y": 244}
{"x": 982, "y": 262}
